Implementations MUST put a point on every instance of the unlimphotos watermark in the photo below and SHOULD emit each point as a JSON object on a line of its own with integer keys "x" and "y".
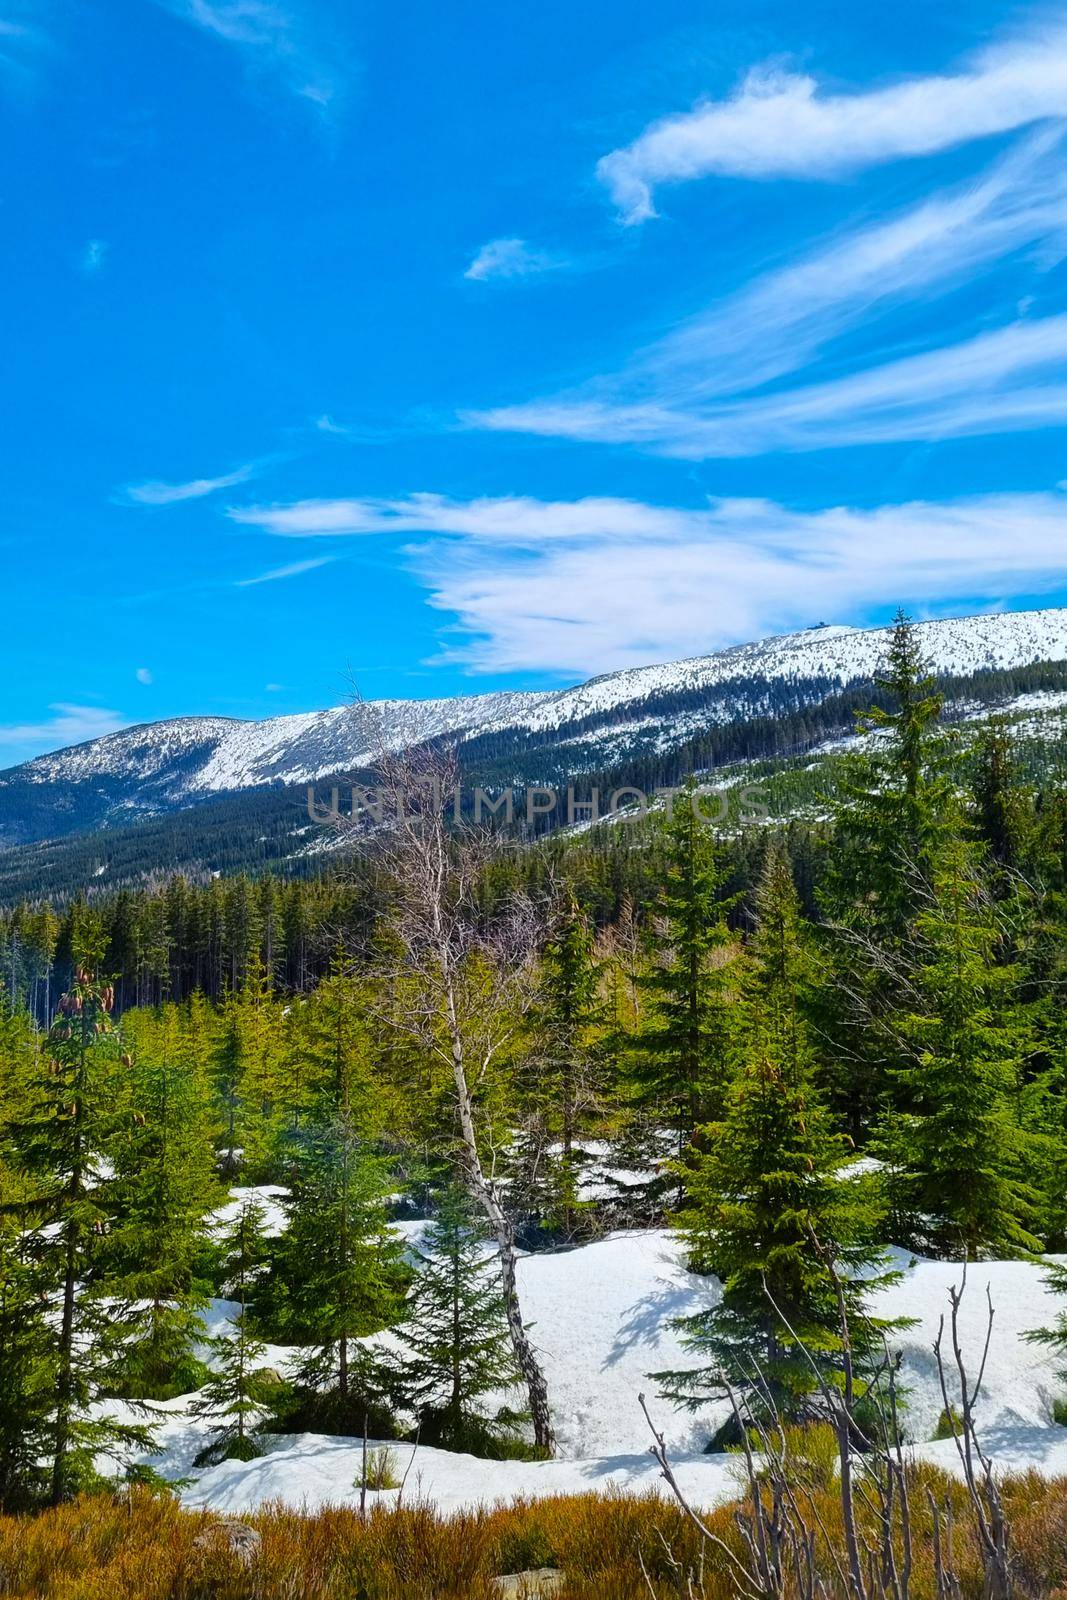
{"x": 535, "y": 803}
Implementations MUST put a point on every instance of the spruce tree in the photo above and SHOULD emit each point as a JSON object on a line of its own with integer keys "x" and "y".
{"x": 328, "y": 1051}
{"x": 248, "y": 1075}
{"x": 233, "y": 1393}
{"x": 957, "y": 1149}
{"x": 163, "y": 1190}
{"x": 680, "y": 1063}
{"x": 567, "y": 1016}
{"x": 894, "y": 812}
{"x": 772, "y": 1209}
{"x": 27, "y": 1353}
{"x": 63, "y": 1147}
{"x": 460, "y": 1348}
{"x": 1003, "y": 807}
{"x": 338, "y": 1272}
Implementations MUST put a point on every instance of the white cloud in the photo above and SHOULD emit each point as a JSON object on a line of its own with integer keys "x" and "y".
{"x": 998, "y": 382}
{"x": 293, "y": 570}
{"x": 156, "y": 493}
{"x": 326, "y": 424}
{"x": 784, "y": 318}
{"x": 777, "y": 124}
{"x": 143, "y": 675}
{"x": 510, "y": 258}
{"x": 93, "y": 256}
{"x": 787, "y": 317}
{"x": 592, "y": 585}
{"x": 274, "y": 38}
{"x": 516, "y": 520}
{"x": 68, "y": 724}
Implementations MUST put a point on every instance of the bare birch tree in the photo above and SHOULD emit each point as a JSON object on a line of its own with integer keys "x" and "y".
{"x": 467, "y": 983}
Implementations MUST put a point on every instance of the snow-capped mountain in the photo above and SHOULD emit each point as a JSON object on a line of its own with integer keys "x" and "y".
{"x": 188, "y": 756}
{"x": 957, "y": 646}
{"x": 163, "y": 767}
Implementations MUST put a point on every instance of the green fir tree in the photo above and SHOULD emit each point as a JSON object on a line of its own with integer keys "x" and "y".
{"x": 163, "y": 1189}
{"x": 772, "y": 1209}
{"x": 234, "y": 1393}
{"x": 460, "y": 1348}
{"x": 64, "y": 1149}
{"x": 958, "y": 1150}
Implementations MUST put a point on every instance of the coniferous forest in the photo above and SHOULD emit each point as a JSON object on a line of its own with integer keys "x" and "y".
{"x": 350, "y": 1108}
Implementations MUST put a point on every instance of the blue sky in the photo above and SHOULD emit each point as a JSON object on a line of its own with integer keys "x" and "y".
{"x": 446, "y": 347}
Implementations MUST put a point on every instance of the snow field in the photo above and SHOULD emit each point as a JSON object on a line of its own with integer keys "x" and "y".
{"x": 601, "y": 1317}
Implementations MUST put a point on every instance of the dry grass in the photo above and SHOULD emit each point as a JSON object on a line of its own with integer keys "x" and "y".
{"x": 146, "y": 1548}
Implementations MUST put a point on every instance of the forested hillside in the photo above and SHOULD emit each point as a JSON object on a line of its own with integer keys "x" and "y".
{"x": 240, "y": 1090}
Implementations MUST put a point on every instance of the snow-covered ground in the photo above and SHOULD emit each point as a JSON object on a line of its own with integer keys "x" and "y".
{"x": 601, "y": 1316}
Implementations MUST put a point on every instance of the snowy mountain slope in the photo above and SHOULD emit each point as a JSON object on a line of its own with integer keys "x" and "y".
{"x": 663, "y": 712}
{"x": 234, "y": 754}
{"x": 958, "y": 645}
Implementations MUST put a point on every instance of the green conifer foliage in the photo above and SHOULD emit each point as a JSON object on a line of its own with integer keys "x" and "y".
{"x": 958, "y": 1149}
{"x": 63, "y": 1145}
{"x": 681, "y": 1058}
{"x": 772, "y": 1209}
{"x": 27, "y": 1353}
{"x": 233, "y": 1393}
{"x": 567, "y": 1021}
{"x": 163, "y": 1190}
{"x": 458, "y": 1336}
{"x": 895, "y": 810}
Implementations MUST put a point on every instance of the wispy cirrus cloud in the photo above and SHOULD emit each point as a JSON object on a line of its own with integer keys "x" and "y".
{"x": 93, "y": 257}
{"x": 158, "y": 493}
{"x": 293, "y": 570}
{"x": 23, "y": 43}
{"x": 778, "y": 124}
{"x": 596, "y": 584}
{"x": 280, "y": 39}
{"x": 511, "y": 258}
{"x": 787, "y": 316}
{"x": 1000, "y": 382}
{"x": 67, "y": 723}
{"x": 687, "y": 394}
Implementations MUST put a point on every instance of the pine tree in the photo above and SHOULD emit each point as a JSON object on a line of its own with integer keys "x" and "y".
{"x": 63, "y": 1144}
{"x": 233, "y": 1392}
{"x": 1003, "y": 806}
{"x": 328, "y": 1052}
{"x": 248, "y": 1075}
{"x": 681, "y": 1058}
{"x": 163, "y": 1190}
{"x": 568, "y": 1014}
{"x": 772, "y": 1210}
{"x": 958, "y": 1149}
{"x": 895, "y": 811}
{"x": 338, "y": 1272}
{"x": 458, "y": 1336}
{"x": 27, "y": 1367}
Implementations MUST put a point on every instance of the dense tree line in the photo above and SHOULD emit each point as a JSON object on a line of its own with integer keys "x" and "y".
{"x": 451, "y": 1030}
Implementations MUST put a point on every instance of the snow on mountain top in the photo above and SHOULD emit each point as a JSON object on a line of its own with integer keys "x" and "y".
{"x": 147, "y": 748}
{"x": 956, "y": 644}
{"x": 202, "y": 755}
{"x": 308, "y": 745}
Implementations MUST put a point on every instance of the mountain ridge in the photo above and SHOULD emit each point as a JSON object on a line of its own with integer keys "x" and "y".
{"x": 234, "y": 787}
{"x": 305, "y": 746}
